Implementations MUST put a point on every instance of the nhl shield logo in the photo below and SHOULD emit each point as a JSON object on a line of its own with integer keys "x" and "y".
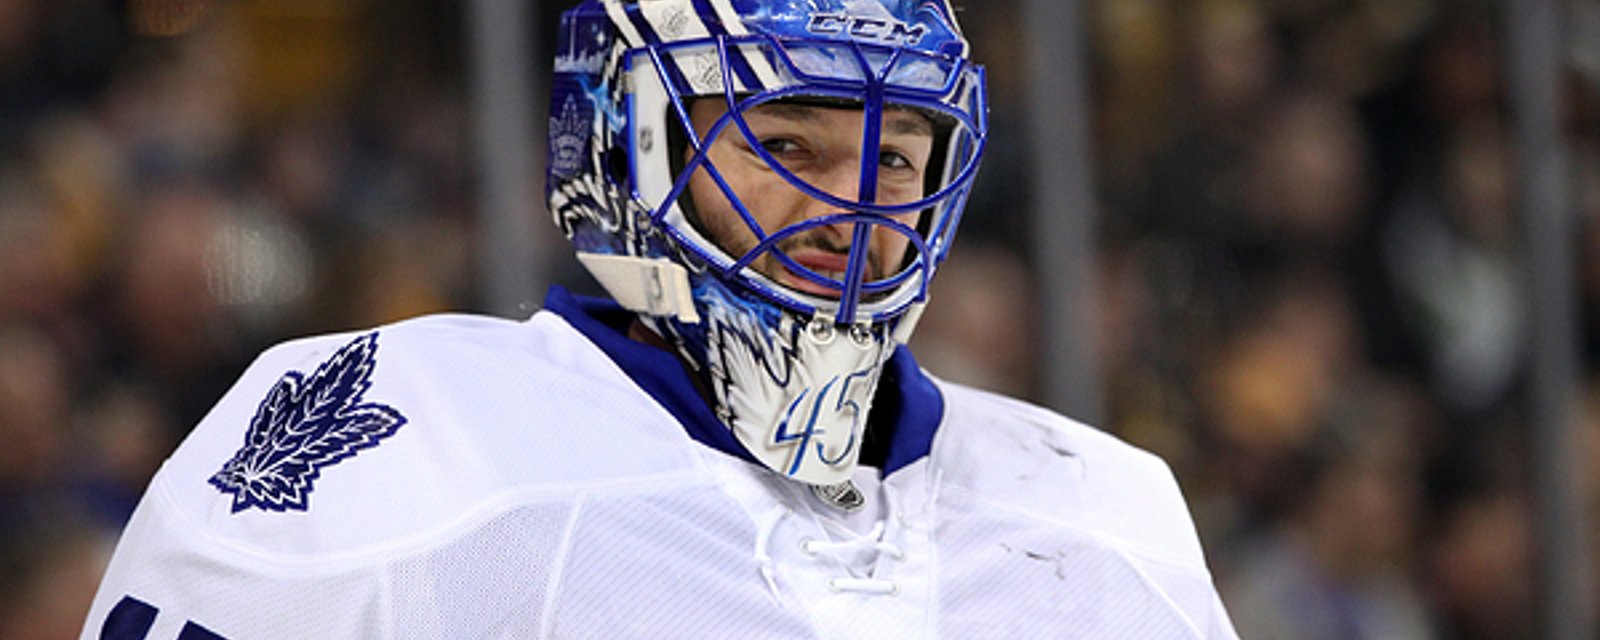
{"x": 304, "y": 425}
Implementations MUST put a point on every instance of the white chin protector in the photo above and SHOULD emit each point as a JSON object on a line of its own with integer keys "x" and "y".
{"x": 795, "y": 392}
{"x": 810, "y": 426}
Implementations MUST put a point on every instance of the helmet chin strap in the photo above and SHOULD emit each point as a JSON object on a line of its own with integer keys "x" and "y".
{"x": 908, "y": 322}
{"x": 651, "y": 286}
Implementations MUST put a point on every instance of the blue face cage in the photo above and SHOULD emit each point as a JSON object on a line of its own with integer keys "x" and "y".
{"x": 749, "y": 70}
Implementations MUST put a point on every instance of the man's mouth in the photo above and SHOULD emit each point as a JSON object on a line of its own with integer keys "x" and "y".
{"x": 826, "y": 264}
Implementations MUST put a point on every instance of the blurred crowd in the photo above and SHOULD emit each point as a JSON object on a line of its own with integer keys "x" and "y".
{"x": 1312, "y": 294}
{"x": 181, "y": 185}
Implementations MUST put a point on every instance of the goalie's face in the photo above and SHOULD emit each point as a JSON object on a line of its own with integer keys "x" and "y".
{"x": 821, "y": 145}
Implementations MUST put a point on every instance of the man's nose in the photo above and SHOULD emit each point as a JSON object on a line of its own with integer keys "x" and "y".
{"x": 841, "y": 180}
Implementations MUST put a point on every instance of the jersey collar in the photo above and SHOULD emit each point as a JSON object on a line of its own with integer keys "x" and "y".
{"x": 905, "y": 412}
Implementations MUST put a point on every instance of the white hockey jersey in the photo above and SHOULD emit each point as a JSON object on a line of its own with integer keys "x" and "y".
{"x": 465, "y": 477}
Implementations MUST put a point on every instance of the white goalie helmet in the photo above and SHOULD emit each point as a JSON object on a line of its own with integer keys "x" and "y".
{"x": 790, "y": 345}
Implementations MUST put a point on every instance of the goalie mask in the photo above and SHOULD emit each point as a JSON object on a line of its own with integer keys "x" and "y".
{"x": 770, "y": 185}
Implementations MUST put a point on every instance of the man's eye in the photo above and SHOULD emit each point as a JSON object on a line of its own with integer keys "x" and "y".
{"x": 780, "y": 146}
{"x": 892, "y": 160}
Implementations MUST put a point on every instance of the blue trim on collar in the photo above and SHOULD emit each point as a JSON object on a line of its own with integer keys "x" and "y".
{"x": 915, "y": 406}
{"x": 658, "y": 372}
{"x": 908, "y": 404}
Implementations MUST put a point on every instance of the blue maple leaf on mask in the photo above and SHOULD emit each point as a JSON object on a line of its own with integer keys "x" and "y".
{"x": 304, "y": 425}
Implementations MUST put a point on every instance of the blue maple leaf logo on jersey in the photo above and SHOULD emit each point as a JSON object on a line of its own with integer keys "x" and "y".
{"x": 304, "y": 425}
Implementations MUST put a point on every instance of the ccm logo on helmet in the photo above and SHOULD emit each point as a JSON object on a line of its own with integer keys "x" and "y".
{"x": 863, "y": 28}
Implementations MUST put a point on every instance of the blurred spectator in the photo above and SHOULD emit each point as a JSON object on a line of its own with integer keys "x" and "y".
{"x": 35, "y": 402}
{"x": 1481, "y": 567}
{"x": 979, "y": 335}
{"x": 1338, "y": 563}
{"x": 1307, "y": 196}
{"x": 33, "y": 278}
{"x": 123, "y": 436}
{"x": 1453, "y": 259}
{"x": 48, "y": 575}
{"x": 174, "y": 333}
{"x": 1268, "y": 386}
